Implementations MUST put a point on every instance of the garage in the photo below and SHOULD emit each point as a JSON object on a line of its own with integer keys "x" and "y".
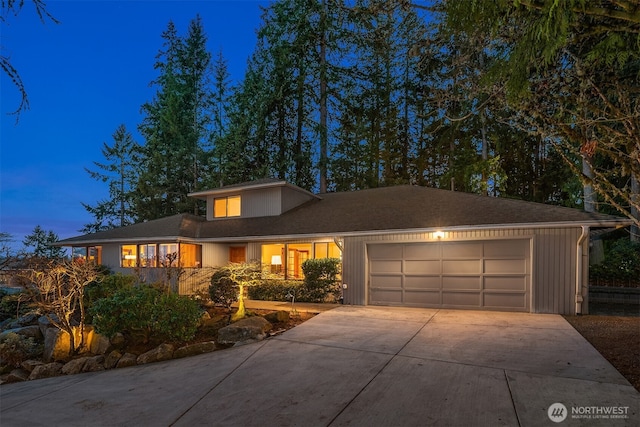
{"x": 487, "y": 274}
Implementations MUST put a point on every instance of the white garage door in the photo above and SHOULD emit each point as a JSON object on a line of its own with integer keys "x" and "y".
{"x": 492, "y": 274}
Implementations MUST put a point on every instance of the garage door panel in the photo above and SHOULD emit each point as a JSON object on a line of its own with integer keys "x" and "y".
{"x": 386, "y": 281}
{"x": 422, "y": 282}
{"x": 461, "y": 267}
{"x": 386, "y": 267}
{"x": 462, "y": 250}
{"x": 385, "y": 251}
{"x": 386, "y": 296}
{"x": 422, "y": 267}
{"x": 505, "y": 283}
{"x": 503, "y": 300}
{"x": 422, "y": 252}
{"x": 469, "y": 299}
{"x": 509, "y": 266}
{"x": 460, "y": 283}
{"x": 422, "y": 297}
{"x": 506, "y": 249}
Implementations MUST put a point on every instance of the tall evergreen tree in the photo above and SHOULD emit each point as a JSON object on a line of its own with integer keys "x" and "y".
{"x": 120, "y": 174}
{"x": 175, "y": 158}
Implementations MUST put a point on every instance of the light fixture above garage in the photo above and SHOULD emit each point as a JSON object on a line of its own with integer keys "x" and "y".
{"x": 439, "y": 234}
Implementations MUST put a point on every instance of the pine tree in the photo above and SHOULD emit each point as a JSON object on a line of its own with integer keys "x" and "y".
{"x": 41, "y": 241}
{"x": 120, "y": 174}
{"x": 175, "y": 158}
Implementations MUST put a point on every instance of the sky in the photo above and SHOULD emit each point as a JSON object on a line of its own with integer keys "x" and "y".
{"x": 84, "y": 77}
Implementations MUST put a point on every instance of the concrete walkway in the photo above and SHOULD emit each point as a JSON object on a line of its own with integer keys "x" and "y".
{"x": 356, "y": 366}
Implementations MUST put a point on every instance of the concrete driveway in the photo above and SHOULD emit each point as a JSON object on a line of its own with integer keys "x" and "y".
{"x": 356, "y": 366}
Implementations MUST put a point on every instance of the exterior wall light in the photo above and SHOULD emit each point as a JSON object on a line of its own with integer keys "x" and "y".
{"x": 439, "y": 235}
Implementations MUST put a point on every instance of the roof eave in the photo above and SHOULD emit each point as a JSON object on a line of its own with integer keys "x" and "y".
{"x": 202, "y": 195}
{"x": 562, "y": 224}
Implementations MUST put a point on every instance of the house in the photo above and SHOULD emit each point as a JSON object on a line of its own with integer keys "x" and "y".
{"x": 402, "y": 245}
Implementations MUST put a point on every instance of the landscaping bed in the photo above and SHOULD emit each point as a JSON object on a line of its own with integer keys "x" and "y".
{"x": 617, "y": 338}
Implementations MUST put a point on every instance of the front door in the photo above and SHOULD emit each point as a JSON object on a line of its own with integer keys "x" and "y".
{"x": 237, "y": 254}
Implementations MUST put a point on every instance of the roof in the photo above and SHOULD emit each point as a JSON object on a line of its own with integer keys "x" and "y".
{"x": 243, "y": 186}
{"x": 386, "y": 209}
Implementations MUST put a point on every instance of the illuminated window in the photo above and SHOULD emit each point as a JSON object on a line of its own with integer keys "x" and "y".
{"x": 226, "y": 207}
{"x": 273, "y": 259}
{"x": 128, "y": 256}
{"x": 147, "y": 255}
{"x": 326, "y": 250}
{"x": 94, "y": 254}
{"x": 286, "y": 261}
{"x": 190, "y": 255}
{"x": 297, "y": 254}
{"x": 168, "y": 255}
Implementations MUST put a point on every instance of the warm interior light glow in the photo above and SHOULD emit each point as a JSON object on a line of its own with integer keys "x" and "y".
{"x": 129, "y": 257}
{"x": 276, "y": 260}
{"x": 439, "y": 234}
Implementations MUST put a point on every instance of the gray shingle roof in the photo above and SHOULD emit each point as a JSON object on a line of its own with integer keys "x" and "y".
{"x": 389, "y": 208}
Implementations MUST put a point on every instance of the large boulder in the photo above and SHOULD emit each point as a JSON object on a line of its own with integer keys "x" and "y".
{"x": 56, "y": 345}
{"x": 127, "y": 359}
{"x": 98, "y": 343}
{"x": 74, "y": 366}
{"x": 46, "y": 370}
{"x": 26, "y": 320}
{"x": 17, "y": 375}
{"x": 32, "y": 331}
{"x": 162, "y": 352}
{"x": 94, "y": 364}
{"x": 112, "y": 359}
{"x": 277, "y": 316}
{"x": 29, "y": 364}
{"x": 245, "y": 330}
{"x": 194, "y": 349}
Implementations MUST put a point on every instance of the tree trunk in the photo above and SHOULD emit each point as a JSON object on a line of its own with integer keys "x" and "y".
{"x": 241, "y": 310}
{"x": 589, "y": 194}
{"x": 635, "y": 200}
{"x": 323, "y": 101}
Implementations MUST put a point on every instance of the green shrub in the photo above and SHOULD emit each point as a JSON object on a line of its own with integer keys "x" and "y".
{"x": 14, "y": 305}
{"x": 106, "y": 288}
{"x": 321, "y": 279}
{"x": 275, "y": 290}
{"x": 147, "y": 310}
{"x": 15, "y": 349}
{"x": 621, "y": 262}
{"x": 223, "y": 290}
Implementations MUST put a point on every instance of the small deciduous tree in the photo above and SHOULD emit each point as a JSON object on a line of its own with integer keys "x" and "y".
{"x": 241, "y": 275}
{"x": 58, "y": 290}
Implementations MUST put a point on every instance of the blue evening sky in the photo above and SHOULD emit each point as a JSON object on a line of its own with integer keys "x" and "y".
{"x": 84, "y": 77}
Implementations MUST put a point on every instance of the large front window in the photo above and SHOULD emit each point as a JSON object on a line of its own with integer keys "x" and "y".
{"x": 285, "y": 260}
{"x": 161, "y": 255}
{"x": 129, "y": 256}
{"x": 226, "y": 206}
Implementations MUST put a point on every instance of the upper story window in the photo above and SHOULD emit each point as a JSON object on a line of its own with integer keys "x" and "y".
{"x": 226, "y": 207}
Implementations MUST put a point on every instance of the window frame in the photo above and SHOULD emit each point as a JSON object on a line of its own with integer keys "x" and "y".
{"x": 228, "y": 204}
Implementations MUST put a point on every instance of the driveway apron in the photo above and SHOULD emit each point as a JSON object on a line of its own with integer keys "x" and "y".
{"x": 355, "y": 366}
